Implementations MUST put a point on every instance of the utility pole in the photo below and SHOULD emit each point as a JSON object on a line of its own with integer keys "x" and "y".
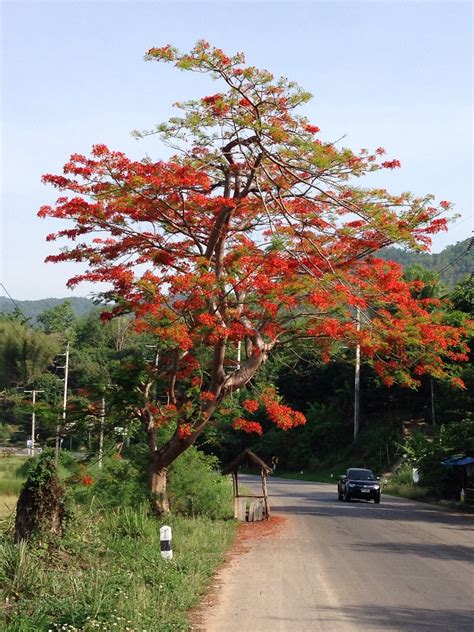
{"x": 58, "y": 427}
{"x": 357, "y": 379}
{"x": 101, "y": 433}
{"x": 33, "y": 419}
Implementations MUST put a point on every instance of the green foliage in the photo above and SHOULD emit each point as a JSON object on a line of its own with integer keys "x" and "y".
{"x": 427, "y": 455}
{"x": 42, "y": 506}
{"x": 432, "y": 286}
{"x": 59, "y": 319}
{"x": 196, "y": 487}
{"x": 463, "y": 296}
{"x": 118, "y": 484}
{"x": 40, "y": 470}
{"x": 24, "y": 355}
{"x": 401, "y": 484}
{"x": 67, "y": 466}
{"x": 134, "y": 523}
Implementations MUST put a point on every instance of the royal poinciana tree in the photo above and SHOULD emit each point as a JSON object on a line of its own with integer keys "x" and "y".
{"x": 254, "y": 234}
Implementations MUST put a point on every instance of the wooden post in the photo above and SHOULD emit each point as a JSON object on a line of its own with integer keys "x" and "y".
{"x": 235, "y": 494}
{"x": 252, "y": 507}
{"x": 265, "y": 495}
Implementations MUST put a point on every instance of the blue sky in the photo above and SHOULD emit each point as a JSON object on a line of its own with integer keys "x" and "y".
{"x": 393, "y": 74}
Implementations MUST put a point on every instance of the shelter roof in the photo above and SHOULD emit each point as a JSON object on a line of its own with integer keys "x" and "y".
{"x": 244, "y": 458}
{"x": 458, "y": 460}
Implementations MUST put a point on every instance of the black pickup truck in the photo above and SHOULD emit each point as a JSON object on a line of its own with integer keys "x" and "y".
{"x": 358, "y": 483}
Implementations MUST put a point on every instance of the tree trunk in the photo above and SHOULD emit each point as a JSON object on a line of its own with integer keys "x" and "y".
{"x": 157, "y": 480}
{"x": 160, "y": 460}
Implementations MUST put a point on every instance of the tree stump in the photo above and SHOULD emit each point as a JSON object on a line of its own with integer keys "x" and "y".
{"x": 40, "y": 509}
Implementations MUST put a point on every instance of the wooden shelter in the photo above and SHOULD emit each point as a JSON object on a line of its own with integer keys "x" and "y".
{"x": 255, "y": 507}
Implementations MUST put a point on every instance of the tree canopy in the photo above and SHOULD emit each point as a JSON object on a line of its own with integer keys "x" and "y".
{"x": 255, "y": 234}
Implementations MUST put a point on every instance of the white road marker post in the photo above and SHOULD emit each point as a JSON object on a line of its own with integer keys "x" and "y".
{"x": 165, "y": 543}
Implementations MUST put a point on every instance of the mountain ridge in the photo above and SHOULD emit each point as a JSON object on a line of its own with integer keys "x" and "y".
{"x": 453, "y": 264}
{"x": 80, "y": 305}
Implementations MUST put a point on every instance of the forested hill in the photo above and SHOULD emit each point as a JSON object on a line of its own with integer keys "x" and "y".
{"x": 453, "y": 263}
{"x": 32, "y": 309}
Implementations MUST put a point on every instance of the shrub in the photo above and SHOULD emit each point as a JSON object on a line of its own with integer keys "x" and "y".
{"x": 428, "y": 455}
{"x": 133, "y": 523}
{"x": 196, "y": 487}
{"x": 117, "y": 484}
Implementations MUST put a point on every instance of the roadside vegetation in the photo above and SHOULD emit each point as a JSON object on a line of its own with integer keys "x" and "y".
{"x": 106, "y": 571}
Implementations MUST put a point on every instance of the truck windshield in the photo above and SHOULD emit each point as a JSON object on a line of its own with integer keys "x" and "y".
{"x": 360, "y": 475}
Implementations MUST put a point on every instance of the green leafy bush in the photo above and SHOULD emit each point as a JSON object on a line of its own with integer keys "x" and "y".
{"x": 196, "y": 487}
{"x": 428, "y": 454}
{"x": 117, "y": 484}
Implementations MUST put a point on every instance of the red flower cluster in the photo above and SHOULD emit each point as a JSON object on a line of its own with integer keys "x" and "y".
{"x": 207, "y": 396}
{"x": 185, "y": 431}
{"x": 251, "y": 405}
{"x": 247, "y": 426}
{"x": 391, "y": 164}
{"x": 283, "y": 416}
{"x": 217, "y": 104}
{"x": 87, "y": 480}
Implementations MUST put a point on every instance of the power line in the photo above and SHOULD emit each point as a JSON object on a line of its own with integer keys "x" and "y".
{"x": 13, "y": 301}
{"x": 459, "y": 257}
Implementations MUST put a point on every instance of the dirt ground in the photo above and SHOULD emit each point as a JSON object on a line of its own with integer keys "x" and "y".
{"x": 249, "y": 535}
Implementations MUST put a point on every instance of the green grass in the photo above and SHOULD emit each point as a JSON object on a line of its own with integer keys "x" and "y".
{"x": 406, "y": 490}
{"x": 9, "y": 466}
{"x": 10, "y": 486}
{"x": 108, "y": 574}
{"x": 10, "y": 483}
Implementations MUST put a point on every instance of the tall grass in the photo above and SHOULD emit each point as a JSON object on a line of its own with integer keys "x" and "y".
{"x": 109, "y": 574}
{"x": 11, "y": 479}
{"x": 401, "y": 484}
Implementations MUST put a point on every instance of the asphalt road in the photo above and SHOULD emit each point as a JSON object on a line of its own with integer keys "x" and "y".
{"x": 341, "y": 567}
